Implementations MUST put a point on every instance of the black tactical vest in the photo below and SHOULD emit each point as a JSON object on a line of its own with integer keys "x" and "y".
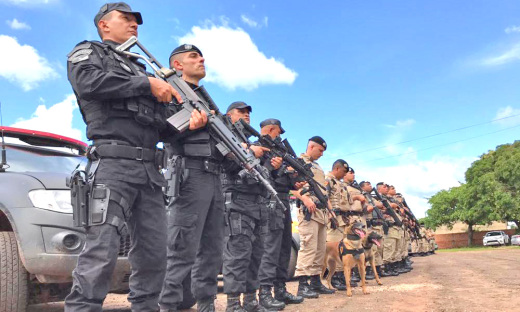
{"x": 144, "y": 109}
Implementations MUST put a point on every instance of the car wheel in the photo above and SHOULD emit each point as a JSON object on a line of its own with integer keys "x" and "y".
{"x": 13, "y": 276}
{"x": 292, "y": 262}
{"x": 188, "y": 300}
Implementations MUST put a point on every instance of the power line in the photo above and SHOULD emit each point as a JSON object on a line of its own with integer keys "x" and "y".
{"x": 427, "y": 148}
{"x": 431, "y": 135}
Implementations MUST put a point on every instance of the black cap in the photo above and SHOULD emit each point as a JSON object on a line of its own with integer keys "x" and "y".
{"x": 319, "y": 140}
{"x": 185, "y": 48}
{"x": 272, "y": 121}
{"x": 340, "y": 162}
{"x": 119, "y": 6}
{"x": 350, "y": 169}
{"x": 238, "y": 104}
{"x": 363, "y": 183}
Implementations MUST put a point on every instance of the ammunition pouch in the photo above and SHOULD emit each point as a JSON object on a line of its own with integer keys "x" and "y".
{"x": 276, "y": 217}
{"x": 98, "y": 204}
{"x": 240, "y": 224}
{"x": 197, "y": 144}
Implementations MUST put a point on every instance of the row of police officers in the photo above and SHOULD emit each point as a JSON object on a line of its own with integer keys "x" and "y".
{"x": 217, "y": 215}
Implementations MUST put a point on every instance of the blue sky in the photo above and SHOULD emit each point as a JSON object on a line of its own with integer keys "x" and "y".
{"x": 362, "y": 75}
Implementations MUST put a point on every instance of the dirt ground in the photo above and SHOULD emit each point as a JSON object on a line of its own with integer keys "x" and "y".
{"x": 484, "y": 280}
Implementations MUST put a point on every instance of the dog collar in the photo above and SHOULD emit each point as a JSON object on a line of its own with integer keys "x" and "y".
{"x": 344, "y": 251}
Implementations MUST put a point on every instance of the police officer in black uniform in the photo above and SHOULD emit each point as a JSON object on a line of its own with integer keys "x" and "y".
{"x": 278, "y": 241}
{"x": 196, "y": 214}
{"x": 246, "y": 215}
{"x": 125, "y": 119}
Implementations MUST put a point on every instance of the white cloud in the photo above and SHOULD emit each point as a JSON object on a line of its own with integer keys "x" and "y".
{"x": 22, "y": 65}
{"x": 508, "y": 56}
{"x": 402, "y": 123}
{"x": 16, "y": 24}
{"x": 252, "y": 23}
{"x": 418, "y": 180}
{"x": 55, "y": 119}
{"x": 512, "y": 29}
{"x": 503, "y": 114}
{"x": 234, "y": 61}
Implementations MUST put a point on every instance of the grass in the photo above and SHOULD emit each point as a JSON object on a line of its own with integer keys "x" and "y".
{"x": 476, "y": 248}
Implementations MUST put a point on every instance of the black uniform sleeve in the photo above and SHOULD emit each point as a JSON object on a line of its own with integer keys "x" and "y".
{"x": 91, "y": 81}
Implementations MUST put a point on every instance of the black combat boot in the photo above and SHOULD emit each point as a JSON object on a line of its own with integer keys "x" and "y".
{"x": 338, "y": 281}
{"x": 408, "y": 260}
{"x": 389, "y": 268}
{"x": 318, "y": 287}
{"x": 281, "y": 294}
{"x": 304, "y": 290}
{"x": 399, "y": 268}
{"x": 233, "y": 303}
{"x": 381, "y": 272}
{"x": 342, "y": 279}
{"x": 250, "y": 303}
{"x": 206, "y": 305}
{"x": 369, "y": 274}
{"x": 406, "y": 265}
{"x": 355, "y": 275}
{"x": 265, "y": 297}
{"x": 168, "y": 310}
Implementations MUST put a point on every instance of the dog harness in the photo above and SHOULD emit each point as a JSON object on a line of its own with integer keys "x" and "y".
{"x": 344, "y": 251}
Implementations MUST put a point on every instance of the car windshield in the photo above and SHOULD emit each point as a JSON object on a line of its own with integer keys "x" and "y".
{"x": 493, "y": 234}
{"x": 22, "y": 158}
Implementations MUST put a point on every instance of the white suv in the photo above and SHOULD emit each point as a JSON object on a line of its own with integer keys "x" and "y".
{"x": 495, "y": 238}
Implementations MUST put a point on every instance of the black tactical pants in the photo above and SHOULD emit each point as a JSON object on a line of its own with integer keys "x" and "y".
{"x": 243, "y": 247}
{"x": 195, "y": 238}
{"x": 278, "y": 244}
{"x": 147, "y": 228}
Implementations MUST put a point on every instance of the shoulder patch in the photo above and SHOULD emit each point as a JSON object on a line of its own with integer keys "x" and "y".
{"x": 80, "y": 46}
{"x": 80, "y": 55}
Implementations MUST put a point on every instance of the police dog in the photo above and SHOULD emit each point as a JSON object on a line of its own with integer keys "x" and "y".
{"x": 348, "y": 251}
{"x": 368, "y": 241}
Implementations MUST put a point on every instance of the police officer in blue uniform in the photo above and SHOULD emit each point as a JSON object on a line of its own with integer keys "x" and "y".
{"x": 126, "y": 116}
{"x": 196, "y": 214}
{"x": 278, "y": 241}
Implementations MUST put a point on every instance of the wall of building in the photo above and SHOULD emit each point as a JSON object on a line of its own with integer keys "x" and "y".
{"x": 457, "y": 240}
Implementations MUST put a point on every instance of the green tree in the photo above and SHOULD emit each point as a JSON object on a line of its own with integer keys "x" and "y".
{"x": 461, "y": 203}
{"x": 497, "y": 176}
{"x": 442, "y": 209}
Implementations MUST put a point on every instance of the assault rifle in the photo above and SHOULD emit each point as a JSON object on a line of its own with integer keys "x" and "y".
{"x": 410, "y": 214}
{"x": 389, "y": 210}
{"x": 228, "y": 143}
{"x": 285, "y": 151}
{"x": 376, "y": 211}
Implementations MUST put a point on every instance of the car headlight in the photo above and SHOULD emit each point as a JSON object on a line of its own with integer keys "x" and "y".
{"x": 53, "y": 200}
